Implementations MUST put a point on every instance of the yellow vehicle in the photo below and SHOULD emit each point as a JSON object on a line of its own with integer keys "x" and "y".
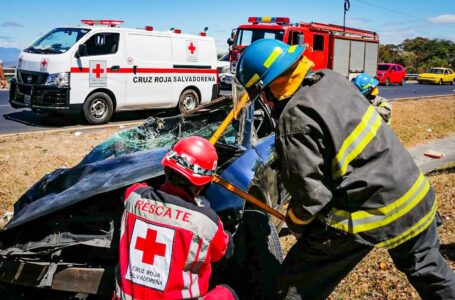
{"x": 437, "y": 76}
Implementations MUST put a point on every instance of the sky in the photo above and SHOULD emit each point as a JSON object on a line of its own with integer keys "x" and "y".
{"x": 22, "y": 21}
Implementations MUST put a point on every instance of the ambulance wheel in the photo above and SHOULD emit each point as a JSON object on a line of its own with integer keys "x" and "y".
{"x": 188, "y": 101}
{"x": 98, "y": 108}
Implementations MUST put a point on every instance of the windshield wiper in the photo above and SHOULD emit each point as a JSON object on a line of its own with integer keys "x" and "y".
{"x": 50, "y": 50}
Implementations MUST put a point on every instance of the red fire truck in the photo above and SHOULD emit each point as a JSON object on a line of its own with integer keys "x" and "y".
{"x": 346, "y": 50}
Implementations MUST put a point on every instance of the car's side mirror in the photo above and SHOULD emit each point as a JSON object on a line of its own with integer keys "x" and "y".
{"x": 81, "y": 50}
{"x": 230, "y": 41}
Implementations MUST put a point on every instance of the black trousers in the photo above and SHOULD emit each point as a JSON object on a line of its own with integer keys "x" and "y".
{"x": 322, "y": 257}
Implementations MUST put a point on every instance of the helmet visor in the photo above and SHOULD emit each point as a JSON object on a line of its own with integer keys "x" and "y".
{"x": 239, "y": 97}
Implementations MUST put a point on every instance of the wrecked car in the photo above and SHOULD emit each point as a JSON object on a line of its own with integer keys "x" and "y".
{"x": 62, "y": 242}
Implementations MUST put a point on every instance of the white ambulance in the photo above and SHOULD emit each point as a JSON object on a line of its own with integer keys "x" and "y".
{"x": 98, "y": 68}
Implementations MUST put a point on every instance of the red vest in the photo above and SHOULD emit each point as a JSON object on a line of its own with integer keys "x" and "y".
{"x": 167, "y": 245}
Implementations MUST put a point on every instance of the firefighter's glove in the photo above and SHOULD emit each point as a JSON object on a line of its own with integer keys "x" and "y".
{"x": 297, "y": 219}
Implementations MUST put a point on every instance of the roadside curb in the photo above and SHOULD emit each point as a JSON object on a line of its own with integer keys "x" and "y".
{"x": 423, "y": 97}
{"x": 84, "y": 128}
{"x": 426, "y": 164}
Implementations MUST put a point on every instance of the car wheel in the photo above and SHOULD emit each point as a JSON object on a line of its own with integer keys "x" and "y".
{"x": 440, "y": 82}
{"x": 256, "y": 260}
{"x": 402, "y": 82}
{"x": 453, "y": 82}
{"x": 387, "y": 82}
{"x": 98, "y": 108}
{"x": 188, "y": 101}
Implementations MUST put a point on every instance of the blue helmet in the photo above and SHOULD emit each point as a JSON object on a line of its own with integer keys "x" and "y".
{"x": 265, "y": 60}
{"x": 364, "y": 82}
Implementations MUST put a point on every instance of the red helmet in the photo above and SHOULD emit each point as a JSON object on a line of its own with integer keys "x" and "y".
{"x": 193, "y": 157}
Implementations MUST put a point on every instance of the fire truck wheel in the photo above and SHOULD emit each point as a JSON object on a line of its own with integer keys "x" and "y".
{"x": 188, "y": 101}
{"x": 98, "y": 108}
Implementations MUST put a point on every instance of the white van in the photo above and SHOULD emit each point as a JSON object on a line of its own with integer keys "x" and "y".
{"x": 98, "y": 70}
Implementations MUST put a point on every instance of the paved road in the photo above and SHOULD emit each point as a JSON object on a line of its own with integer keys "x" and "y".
{"x": 23, "y": 120}
{"x": 410, "y": 90}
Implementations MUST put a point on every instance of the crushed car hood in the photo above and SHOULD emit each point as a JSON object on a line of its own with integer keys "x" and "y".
{"x": 65, "y": 187}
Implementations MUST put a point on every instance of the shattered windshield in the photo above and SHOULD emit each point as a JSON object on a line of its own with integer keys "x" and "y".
{"x": 157, "y": 133}
{"x": 56, "y": 41}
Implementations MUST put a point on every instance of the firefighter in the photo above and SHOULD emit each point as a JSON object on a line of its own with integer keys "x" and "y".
{"x": 170, "y": 236}
{"x": 353, "y": 185}
{"x": 368, "y": 86}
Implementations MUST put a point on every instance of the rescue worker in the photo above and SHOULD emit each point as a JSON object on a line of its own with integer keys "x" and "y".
{"x": 353, "y": 185}
{"x": 368, "y": 86}
{"x": 170, "y": 236}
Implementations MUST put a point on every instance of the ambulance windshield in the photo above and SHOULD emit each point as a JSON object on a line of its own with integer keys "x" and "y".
{"x": 247, "y": 36}
{"x": 57, "y": 41}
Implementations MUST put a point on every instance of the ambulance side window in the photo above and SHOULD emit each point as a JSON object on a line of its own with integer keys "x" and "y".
{"x": 103, "y": 43}
{"x": 318, "y": 42}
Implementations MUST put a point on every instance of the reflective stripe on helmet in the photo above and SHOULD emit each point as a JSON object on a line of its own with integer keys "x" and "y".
{"x": 272, "y": 57}
{"x": 196, "y": 169}
{"x": 292, "y": 49}
{"x": 253, "y": 79}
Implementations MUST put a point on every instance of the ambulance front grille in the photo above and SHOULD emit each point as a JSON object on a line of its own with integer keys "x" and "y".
{"x": 29, "y": 77}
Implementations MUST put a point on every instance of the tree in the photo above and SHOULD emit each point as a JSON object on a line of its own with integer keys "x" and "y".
{"x": 419, "y": 53}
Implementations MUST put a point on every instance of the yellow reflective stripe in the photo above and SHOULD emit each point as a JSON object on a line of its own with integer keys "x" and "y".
{"x": 298, "y": 221}
{"x": 357, "y": 222}
{"x": 415, "y": 230}
{"x": 383, "y": 210}
{"x": 344, "y": 157}
{"x": 292, "y": 49}
{"x": 351, "y": 138}
{"x": 408, "y": 201}
{"x": 252, "y": 80}
{"x": 272, "y": 57}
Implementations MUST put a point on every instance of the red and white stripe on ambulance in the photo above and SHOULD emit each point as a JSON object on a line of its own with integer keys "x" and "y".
{"x": 148, "y": 70}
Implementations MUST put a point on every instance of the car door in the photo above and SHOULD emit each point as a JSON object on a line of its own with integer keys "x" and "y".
{"x": 446, "y": 77}
{"x": 393, "y": 74}
{"x": 452, "y": 76}
{"x": 100, "y": 68}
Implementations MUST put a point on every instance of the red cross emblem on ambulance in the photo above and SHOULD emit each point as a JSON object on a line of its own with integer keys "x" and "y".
{"x": 98, "y": 70}
{"x": 192, "y": 50}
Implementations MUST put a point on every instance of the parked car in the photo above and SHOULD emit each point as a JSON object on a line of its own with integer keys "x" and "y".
{"x": 63, "y": 237}
{"x": 391, "y": 73}
{"x": 226, "y": 77}
{"x": 437, "y": 76}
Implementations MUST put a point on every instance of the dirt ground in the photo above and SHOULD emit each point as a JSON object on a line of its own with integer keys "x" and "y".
{"x": 417, "y": 121}
{"x": 376, "y": 277}
{"x": 24, "y": 159}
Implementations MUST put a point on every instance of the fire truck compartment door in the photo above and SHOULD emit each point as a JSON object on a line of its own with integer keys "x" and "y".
{"x": 341, "y": 50}
{"x": 371, "y": 58}
{"x": 357, "y": 57}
